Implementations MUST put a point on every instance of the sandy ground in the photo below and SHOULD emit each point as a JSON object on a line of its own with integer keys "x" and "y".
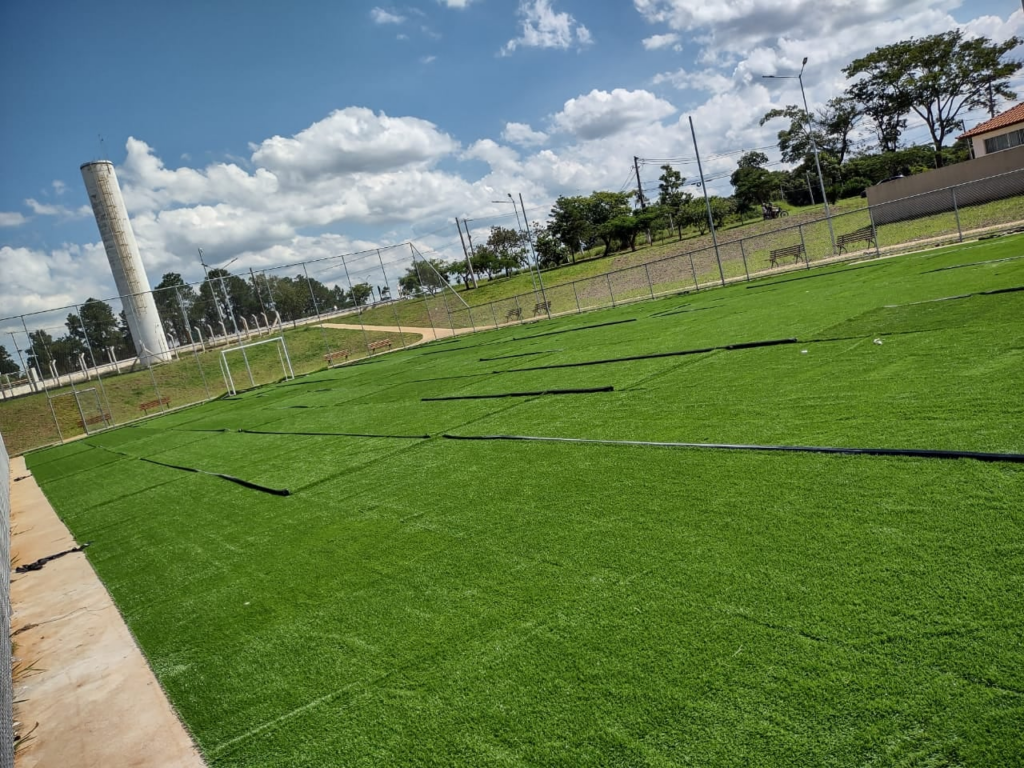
{"x": 83, "y": 691}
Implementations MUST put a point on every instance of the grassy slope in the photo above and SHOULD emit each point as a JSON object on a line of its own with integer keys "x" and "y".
{"x": 430, "y": 602}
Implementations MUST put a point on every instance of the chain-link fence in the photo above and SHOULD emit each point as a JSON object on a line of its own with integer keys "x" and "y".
{"x": 6, "y": 683}
{"x": 74, "y": 370}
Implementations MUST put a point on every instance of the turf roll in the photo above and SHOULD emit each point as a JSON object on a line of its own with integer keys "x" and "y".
{"x": 587, "y": 391}
{"x": 331, "y": 434}
{"x": 920, "y": 453}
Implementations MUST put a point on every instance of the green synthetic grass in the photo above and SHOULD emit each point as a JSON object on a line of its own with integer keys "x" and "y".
{"x": 428, "y": 602}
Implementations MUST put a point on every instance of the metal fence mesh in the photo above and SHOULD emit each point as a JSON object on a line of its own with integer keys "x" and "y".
{"x": 77, "y": 371}
{"x": 6, "y": 684}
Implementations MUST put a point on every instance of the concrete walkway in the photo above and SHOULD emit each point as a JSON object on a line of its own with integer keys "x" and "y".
{"x": 428, "y": 334}
{"x": 85, "y": 695}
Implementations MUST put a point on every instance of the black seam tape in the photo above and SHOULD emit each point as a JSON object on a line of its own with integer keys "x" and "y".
{"x": 1016, "y": 458}
{"x": 570, "y": 330}
{"x": 522, "y": 394}
{"x": 655, "y": 355}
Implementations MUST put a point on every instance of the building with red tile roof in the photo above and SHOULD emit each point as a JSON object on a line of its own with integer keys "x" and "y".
{"x": 1004, "y": 131}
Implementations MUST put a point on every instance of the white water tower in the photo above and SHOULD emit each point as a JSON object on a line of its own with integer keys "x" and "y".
{"x": 125, "y": 262}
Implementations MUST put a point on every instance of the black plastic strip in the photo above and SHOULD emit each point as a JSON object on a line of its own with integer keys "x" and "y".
{"x": 994, "y": 292}
{"x": 521, "y": 354}
{"x": 655, "y": 355}
{"x": 331, "y": 434}
{"x": 571, "y": 330}
{"x": 1016, "y": 458}
{"x": 38, "y": 564}
{"x": 587, "y": 391}
{"x": 229, "y": 478}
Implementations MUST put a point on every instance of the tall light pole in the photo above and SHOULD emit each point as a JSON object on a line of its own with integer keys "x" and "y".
{"x": 519, "y": 226}
{"x": 814, "y": 144}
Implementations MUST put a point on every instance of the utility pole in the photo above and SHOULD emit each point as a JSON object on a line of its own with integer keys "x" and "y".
{"x": 536, "y": 261}
{"x": 639, "y": 186}
{"x": 255, "y": 287}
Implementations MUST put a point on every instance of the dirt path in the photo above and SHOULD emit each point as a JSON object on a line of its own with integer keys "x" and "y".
{"x": 85, "y": 695}
{"x": 428, "y": 334}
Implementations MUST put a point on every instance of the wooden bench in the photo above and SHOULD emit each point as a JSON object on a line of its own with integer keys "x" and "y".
{"x": 373, "y": 346}
{"x": 103, "y": 418}
{"x": 151, "y": 404}
{"x": 542, "y": 306}
{"x": 796, "y": 251}
{"x": 330, "y": 357}
{"x": 864, "y": 233}
{"x": 515, "y": 313}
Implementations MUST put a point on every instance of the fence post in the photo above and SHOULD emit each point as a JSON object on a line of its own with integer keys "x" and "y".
{"x": 398, "y": 322}
{"x": 650, "y": 285}
{"x": 956, "y": 213}
{"x": 611, "y": 292}
{"x": 743, "y": 253}
{"x": 516, "y": 297}
{"x": 803, "y": 244}
{"x": 874, "y": 231}
{"x": 577, "y": 297}
{"x": 693, "y": 268}
{"x": 494, "y": 317}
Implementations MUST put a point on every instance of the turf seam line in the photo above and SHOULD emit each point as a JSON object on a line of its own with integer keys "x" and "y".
{"x": 922, "y": 453}
{"x": 973, "y": 264}
{"x": 331, "y": 434}
{"x": 995, "y": 292}
{"x": 571, "y": 330}
{"x": 581, "y": 391}
{"x": 874, "y": 263}
{"x": 521, "y": 354}
{"x": 681, "y": 311}
{"x": 230, "y": 478}
{"x": 655, "y": 355}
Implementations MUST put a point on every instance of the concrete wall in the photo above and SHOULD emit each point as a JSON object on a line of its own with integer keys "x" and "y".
{"x": 920, "y": 195}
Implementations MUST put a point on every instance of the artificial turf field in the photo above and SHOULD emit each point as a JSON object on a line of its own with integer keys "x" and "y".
{"x": 418, "y": 600}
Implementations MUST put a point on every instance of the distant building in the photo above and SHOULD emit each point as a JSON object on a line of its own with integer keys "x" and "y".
{"x": 1004, "y": 131}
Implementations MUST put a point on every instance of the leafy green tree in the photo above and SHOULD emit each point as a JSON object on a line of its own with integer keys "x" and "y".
{"x": 7, "y": 364}
{"x": 360, "y": 294}
{"x": 550, "y": 251}
{"x": 570, "y": 224}
{"x": 833, "y": 130}
{"x": 485, "y": 260}
{"x": 754, "y": 184}
{"x": 937, "y": 77}
{"x": 166, "y": 296}
{"x": 603, "y": 207}
{"x": 672, "y": 196}
{"x": 509, "y": 249}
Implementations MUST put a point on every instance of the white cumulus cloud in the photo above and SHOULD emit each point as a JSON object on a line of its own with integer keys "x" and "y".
{"x": 542, "y": 27}
{"x": 602, "y": 113}
{"x": 11, "y": 219}
{"x": 382, "y": 16}
{"x": 654, "y": 42}
{"x": 523, "y": 135}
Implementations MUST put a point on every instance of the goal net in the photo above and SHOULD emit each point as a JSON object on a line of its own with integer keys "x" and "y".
{"x": 258, "y": 362}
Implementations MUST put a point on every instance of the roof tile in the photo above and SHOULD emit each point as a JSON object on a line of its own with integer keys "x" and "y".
{"x": 1012, "y": 116}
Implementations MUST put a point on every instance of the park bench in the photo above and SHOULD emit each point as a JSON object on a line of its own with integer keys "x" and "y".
{"x": 373, "y": 346}
{"x": 151, "y": 404}
{"x": 542, "y": 306}
{"x": 796, "y": 251}
{"x": 514, "y": 314}
{"x": 341, "y": 354}
{"x": 864, "y": 233}
{"x": 100, "y": 418}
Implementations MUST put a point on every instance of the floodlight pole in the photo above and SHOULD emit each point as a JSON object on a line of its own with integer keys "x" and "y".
{"x": 814, "y": 144}
{"x": 707, "y": 202}
{"x": 536, "y": 261}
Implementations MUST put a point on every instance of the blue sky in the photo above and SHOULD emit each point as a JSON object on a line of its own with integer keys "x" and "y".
{"x": 274, "y": 132}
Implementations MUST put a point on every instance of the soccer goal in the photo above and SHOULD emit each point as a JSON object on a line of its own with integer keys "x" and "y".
{"x": 225, "y": 364}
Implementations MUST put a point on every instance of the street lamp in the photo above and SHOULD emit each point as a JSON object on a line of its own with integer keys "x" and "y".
{"x": 814, "y": 144}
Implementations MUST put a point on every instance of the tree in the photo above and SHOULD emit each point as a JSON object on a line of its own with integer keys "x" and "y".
{"x": 603, "y": 207}
{"x": 937, "y": 77}
{"x": 508, "y": 248}
{"x": 671, "y": 195}
{"x": 571, "y": 224}
{"x": 166, "y": 296}
{"x": 754, "y": 184}
{"x": 96, "y": 327}
{"x": 550, "y": 252}
{"x": 360, "y": 294}
{"x": 833, "y": 130}
{"x": 7, "y": 364}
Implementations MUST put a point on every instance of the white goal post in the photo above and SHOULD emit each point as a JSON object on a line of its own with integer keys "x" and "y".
{"x": 282, "y": 355}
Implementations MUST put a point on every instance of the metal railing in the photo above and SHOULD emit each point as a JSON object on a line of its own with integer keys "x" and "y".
{"x": 82, "y": 374}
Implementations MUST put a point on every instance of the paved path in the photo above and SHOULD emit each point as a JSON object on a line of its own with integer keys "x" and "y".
{"x": 85, "y": 692}
{"x": 428, "y": 334}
